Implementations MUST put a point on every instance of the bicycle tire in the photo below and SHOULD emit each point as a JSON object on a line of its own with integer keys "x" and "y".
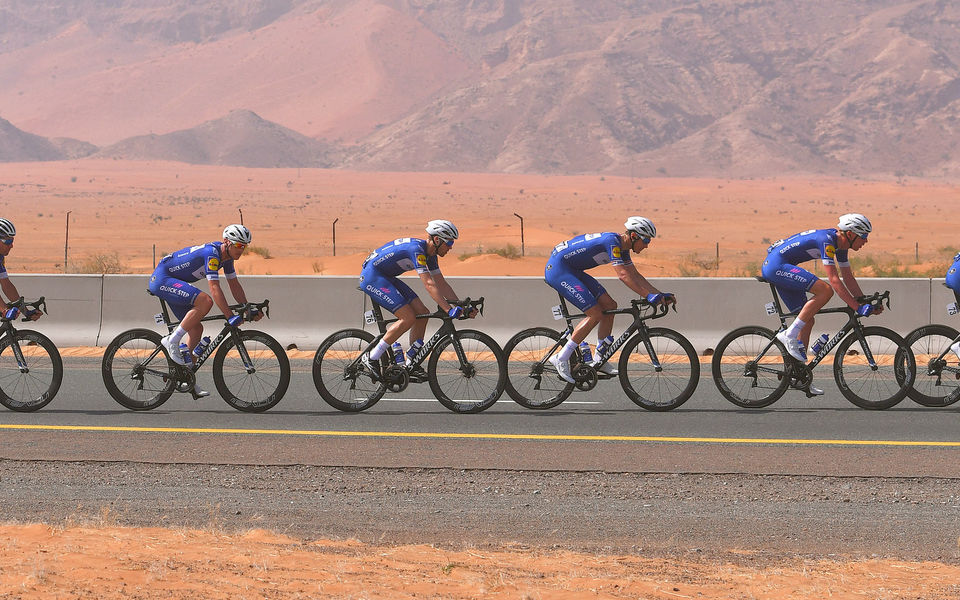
{"x": 874, "y": 388}
{"x": 129, "y": 379}
{"x": 260, "y": 390}
{"x": 338, "y": 375}
{"x": 937, "y": 382}
{"x": 531, "y": 381}
{"x": 738, "y": 376}
{"x": 31, "y": 390}
{"x": 663, "y": 390}
{"x": 472, "y": 387}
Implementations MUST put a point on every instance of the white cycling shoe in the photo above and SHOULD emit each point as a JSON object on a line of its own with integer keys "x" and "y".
{"x": 956, "y": 348}
{"x": 794, "y": 346}
{"x": 606, "y": 368}
{"x": 201, "y": 393}
{"x": 563, "y": 368}
{"x": 173, "y": 350}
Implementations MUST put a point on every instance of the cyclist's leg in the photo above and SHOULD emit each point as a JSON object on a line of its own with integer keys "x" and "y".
{"x": 577, "y": 290}
{"x": 181, "y": 297}
{"x": 393, "y": 295}
{"x": 191, "y": 321}
{"x": 793, "y": 283}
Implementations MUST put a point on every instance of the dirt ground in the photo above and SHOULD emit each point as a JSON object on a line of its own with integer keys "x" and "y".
{"x": 125, "y": 214}
{"x": 42, "y": 561}
{"x": 122, "y": 216}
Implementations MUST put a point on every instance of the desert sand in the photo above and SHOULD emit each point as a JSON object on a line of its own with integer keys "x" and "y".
{"x": 126, "y": 214}
{"x": 123, "y": 216}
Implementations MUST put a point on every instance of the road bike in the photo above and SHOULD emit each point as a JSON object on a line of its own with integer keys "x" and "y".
{"x": 465, "y": 370}
{"x": 938, "y": 370}
{"x": 251, "y": 370}
{"x": 31, "y": 369}
{"x": 873, "y": 366}
{"x": 658, "y": 367}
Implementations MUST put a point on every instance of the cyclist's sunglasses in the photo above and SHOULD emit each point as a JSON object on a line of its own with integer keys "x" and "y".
{"x": 449, "y": 243}
{"x": 862, "y": 237}
{"x": 239, "y": 245}
{"x": 640, "y": 238}
{"x": 7, "y": 241}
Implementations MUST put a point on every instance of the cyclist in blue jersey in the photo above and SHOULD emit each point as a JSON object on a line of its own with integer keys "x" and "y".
{"x": 7, "y": 233}
{"x": 793, "y": 283}
{"x": 565, "y": 272}
{"x": 379, "y": 280}
{"x": 172, "y": 281}
{"x": 953, "y": 282}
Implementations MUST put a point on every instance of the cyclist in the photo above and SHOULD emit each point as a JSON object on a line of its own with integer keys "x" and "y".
{"x": 793, "y": 283}
{"x": 7, "y": 233}
{"x": 953, "y": 282}
{"x": 171, "y": 281}
{"x": 379, "y": 280}
{"x": 565, "y": 272}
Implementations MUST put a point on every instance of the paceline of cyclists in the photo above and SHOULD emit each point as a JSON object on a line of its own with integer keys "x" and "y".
{"x": 803, "y": 293}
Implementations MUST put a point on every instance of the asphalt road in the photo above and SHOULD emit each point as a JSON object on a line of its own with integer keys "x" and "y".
{"x": 809, "y": 476}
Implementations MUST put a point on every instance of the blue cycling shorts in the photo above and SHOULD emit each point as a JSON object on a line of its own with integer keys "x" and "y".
{"x": 179, "y": 295}
{"x": 953, "y": 277}
{"x": 578, "y": 288}
{"x": 792, "y": 282}
{"x": 388, "y": 292}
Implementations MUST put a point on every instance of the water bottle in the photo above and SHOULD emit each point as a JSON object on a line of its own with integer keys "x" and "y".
{"x": 585, "y": 352}
{"x": 397, "y": 353}
{"x": 603, "y": 345}
{"x": 414, "y": 349}
{"x": 185, "y": 353}
{"x": 202, "y": 346}
{"x": 817, "y": 345}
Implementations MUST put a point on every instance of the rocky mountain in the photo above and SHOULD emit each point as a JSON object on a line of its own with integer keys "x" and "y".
{"x": 241, "y": 138}
{"x": 19, "y": 146}
{"x": 658, "y": 87}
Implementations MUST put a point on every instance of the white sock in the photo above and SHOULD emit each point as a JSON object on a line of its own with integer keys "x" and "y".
{"x": 568, "y": 350}
{"x": 794, "y": 329}
{"x": 177, "y": 335}
{"x": 377, "y": 352}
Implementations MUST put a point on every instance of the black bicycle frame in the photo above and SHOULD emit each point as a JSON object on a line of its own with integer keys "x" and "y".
{"x": 635, "y": 309}
{"x": 446, "y": 328}
{"x": 7, "y": 329}
{"x": 852, "y": 324}
{"x": 164, "y": 317}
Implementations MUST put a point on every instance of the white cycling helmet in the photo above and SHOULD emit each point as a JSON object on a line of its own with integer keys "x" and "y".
{"x": 446, "y": 230}
{"x": 237, "y": 233}
{"x": 7, "y": 229}
{"x": 642, "y": 226}
{"x": 856, "y": 223}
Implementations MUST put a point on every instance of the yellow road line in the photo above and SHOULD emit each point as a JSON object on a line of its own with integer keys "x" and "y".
{"x": 491, "y": 436}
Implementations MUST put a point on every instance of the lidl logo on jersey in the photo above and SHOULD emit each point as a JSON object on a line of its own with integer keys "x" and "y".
{"x": 422, "y": 260}
{"x": 616, "y": 251}
{"x": 830, "y": 251}
{"x": 213, "y": 264}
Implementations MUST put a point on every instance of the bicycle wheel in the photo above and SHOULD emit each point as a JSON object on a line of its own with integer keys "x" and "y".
{"x": 938, "y": 380}
{"x": 339, "y": 376}
{"x": 743, "y": 375}
{"x": 253, "y": 386}
{"x": 875, "y": 386}
{"x": 531, "y": 381}
{"x": 32, "y": 385}
{"x": 666, "y": 386}
{"x": 472, "y": 386}
{"x": 136, "y": 371}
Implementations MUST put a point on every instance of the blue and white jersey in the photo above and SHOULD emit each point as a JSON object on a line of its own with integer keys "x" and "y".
{"x": 3, "y": 268}
{"x": 402, "y": 255}
{"x": 196, "y": 262}
{"x": 809, "y": 245}
{"x": 590, "y": 250}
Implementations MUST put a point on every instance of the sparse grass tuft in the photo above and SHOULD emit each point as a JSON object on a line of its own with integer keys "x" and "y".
{"x": 99, "y": 263}
{"x": 260, "y": 251}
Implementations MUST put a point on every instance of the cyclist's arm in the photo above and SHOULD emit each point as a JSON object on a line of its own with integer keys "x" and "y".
{"x": 219, "y": 299}
{"x": 439, "y": 289}
{"x": 632, "y": 278}
{"x": 841, "y": 286}
{"x": 9, "y": 289}
{"x": 237, "y": 290}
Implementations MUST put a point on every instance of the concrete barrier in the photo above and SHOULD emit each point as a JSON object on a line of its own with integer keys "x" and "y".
{"x": 92, "y": 309}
